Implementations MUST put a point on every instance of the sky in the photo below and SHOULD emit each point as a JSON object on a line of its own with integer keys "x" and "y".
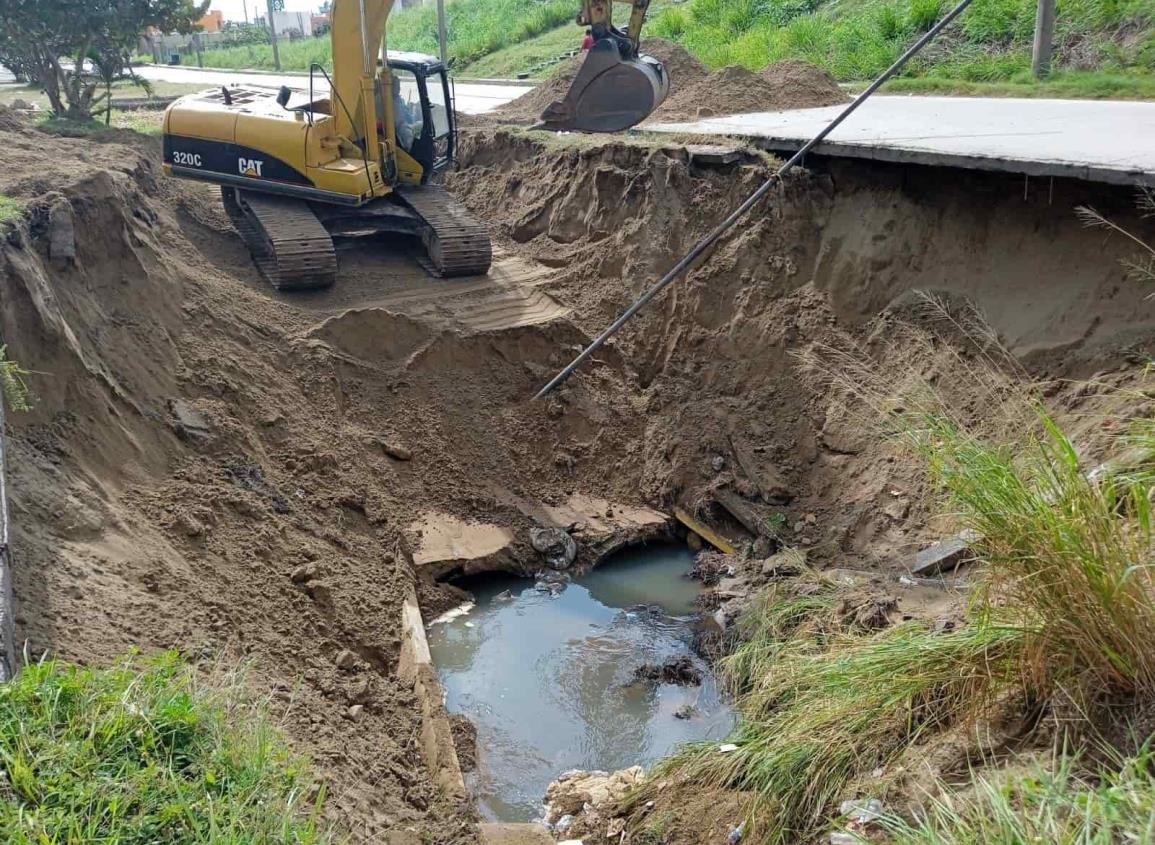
{"x": 234, "y": 9}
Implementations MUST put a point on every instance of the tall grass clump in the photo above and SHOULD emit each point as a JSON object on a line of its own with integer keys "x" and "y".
{"x": 1064, "y": 802}
{"x": 815, "y": 714}
{"x": 1062, "y": 612}
{"x": 144, "y": 753}
{"x": 1068, "y": 552}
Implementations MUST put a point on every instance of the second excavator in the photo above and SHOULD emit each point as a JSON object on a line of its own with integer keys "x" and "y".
{"x": 298, "y": 168}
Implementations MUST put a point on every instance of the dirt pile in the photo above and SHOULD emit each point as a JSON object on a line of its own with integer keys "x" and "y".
{"x": 683, "y": 69}
{"x": 784, "y": 85}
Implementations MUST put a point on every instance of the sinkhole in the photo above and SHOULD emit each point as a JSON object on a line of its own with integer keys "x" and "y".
{"x": 550, "y": 677}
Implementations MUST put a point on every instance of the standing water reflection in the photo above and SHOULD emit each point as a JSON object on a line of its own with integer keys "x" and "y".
{"x": 548, "y": 680}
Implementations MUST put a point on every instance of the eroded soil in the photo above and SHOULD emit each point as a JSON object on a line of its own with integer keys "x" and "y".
{"x": 215, "y": 468}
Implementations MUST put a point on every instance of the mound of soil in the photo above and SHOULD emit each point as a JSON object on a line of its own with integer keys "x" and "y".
{"x": 683, "y": 69}
{"x": 736, "y": 90}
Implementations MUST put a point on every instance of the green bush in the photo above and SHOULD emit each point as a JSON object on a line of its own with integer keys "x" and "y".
{"x": 144, "y": 754}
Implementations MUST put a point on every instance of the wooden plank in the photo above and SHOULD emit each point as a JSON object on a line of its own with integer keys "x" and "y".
{"x": 703, "y": 531}
{"x": 745, "y": 512}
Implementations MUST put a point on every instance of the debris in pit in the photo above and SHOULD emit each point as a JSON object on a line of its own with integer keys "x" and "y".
{"x": 188, "y": 422}
{"x": 947, "y": 555}
{"x": 686, "y": 711}
{"x": 62, "y": 232}
{"x": 710, "y": 568}
{"x": 249, "y": 477}
{"x": 557, "y": 547}
{"x": 395, "y": 450}
{"x": 679, "y": 671}
{"x": 591, "y": 799}
{"x": 868, "y": 613}
{"x": 464, "y": 734}
{"x": 551, "y": 582}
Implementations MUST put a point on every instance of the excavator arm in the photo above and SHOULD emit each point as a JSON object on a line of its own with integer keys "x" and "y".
{"x": 617, "y": 86}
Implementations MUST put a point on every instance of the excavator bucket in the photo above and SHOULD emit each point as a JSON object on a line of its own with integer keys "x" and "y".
{"x": 609, "y": 93}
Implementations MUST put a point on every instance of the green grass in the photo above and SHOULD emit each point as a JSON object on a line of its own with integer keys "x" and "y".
{"x": 13, "y": 377}
{"x": 475, "y": 28}
{"x": 10, "y": 209}
{"x": 858, "y": 39}
{"x": 527, "y": 55}
{"x": 1061, "y": 804}
{"x": 121, "y": 89}
{"x": 817, "y": 712}
{"x": 1067, "y": 84}
{"x": 144, "y": 753}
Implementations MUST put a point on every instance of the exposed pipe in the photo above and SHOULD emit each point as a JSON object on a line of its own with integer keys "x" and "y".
{"x": 709, "y": 240}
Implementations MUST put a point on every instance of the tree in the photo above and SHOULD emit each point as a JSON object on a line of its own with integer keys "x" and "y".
{"x": 53, "y": 41}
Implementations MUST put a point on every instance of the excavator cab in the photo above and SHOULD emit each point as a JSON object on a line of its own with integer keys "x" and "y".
{"x": 423, "y": 110}
{"x": 617, "y": 86}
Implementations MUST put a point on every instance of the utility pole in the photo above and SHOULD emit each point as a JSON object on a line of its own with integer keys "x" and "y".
{"x": 273, "y": 34}
{"x": 441, "y": 32}
{"x": 245, "y": 9}
{"x": 1044, "y": 38}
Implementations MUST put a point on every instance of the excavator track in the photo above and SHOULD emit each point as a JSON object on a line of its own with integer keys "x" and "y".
{"x": 456, "y": 243}
{"x": 289, "y": 245}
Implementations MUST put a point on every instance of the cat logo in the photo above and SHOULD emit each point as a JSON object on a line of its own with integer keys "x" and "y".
{"x": 250, "y": 166}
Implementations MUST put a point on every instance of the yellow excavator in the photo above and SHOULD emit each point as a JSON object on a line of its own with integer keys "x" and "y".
{"x": 297, "y": 169}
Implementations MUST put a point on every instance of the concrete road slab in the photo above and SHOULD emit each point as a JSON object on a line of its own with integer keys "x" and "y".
{"x": 471, "y": 97}
{"x": 1100, "y": 140}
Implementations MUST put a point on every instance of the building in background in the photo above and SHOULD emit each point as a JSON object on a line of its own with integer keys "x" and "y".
{"x": 212, "y": 21}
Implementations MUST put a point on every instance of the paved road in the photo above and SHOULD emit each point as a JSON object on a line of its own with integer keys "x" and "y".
{"x": 1100, "y": 140}
{"x": 472, "y": 97}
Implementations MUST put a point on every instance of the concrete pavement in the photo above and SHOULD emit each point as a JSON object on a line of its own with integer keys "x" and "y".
{"x": 471, "y": 97}
{"x": 1100, "y": 140}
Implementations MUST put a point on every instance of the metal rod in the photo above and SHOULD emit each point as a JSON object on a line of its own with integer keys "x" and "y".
{"x": 709, "y": 240}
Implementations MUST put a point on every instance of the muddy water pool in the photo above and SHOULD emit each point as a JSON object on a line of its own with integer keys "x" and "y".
{"x": 548, "y": 679}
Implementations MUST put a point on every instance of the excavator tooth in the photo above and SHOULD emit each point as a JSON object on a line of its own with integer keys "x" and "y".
{"x": 609, "y": 93}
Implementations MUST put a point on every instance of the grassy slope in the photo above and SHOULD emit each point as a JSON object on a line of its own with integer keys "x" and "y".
{"x": 857, "y": 39}
{"x": 476, "y": 28}
{"x": 144, "y": 753}
{"x": 1106, "y": 48}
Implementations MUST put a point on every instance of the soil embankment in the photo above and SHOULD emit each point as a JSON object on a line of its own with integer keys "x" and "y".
{"x": 696, "y": 92}
{"x": 226, "y": 471}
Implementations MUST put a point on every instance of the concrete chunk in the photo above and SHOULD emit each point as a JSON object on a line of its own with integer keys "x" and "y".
{"x": 945, "y": 556}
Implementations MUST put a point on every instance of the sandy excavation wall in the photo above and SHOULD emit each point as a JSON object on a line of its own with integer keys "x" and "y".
{"x": 221, "y": 470}
{"x": 832, "y": 249}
